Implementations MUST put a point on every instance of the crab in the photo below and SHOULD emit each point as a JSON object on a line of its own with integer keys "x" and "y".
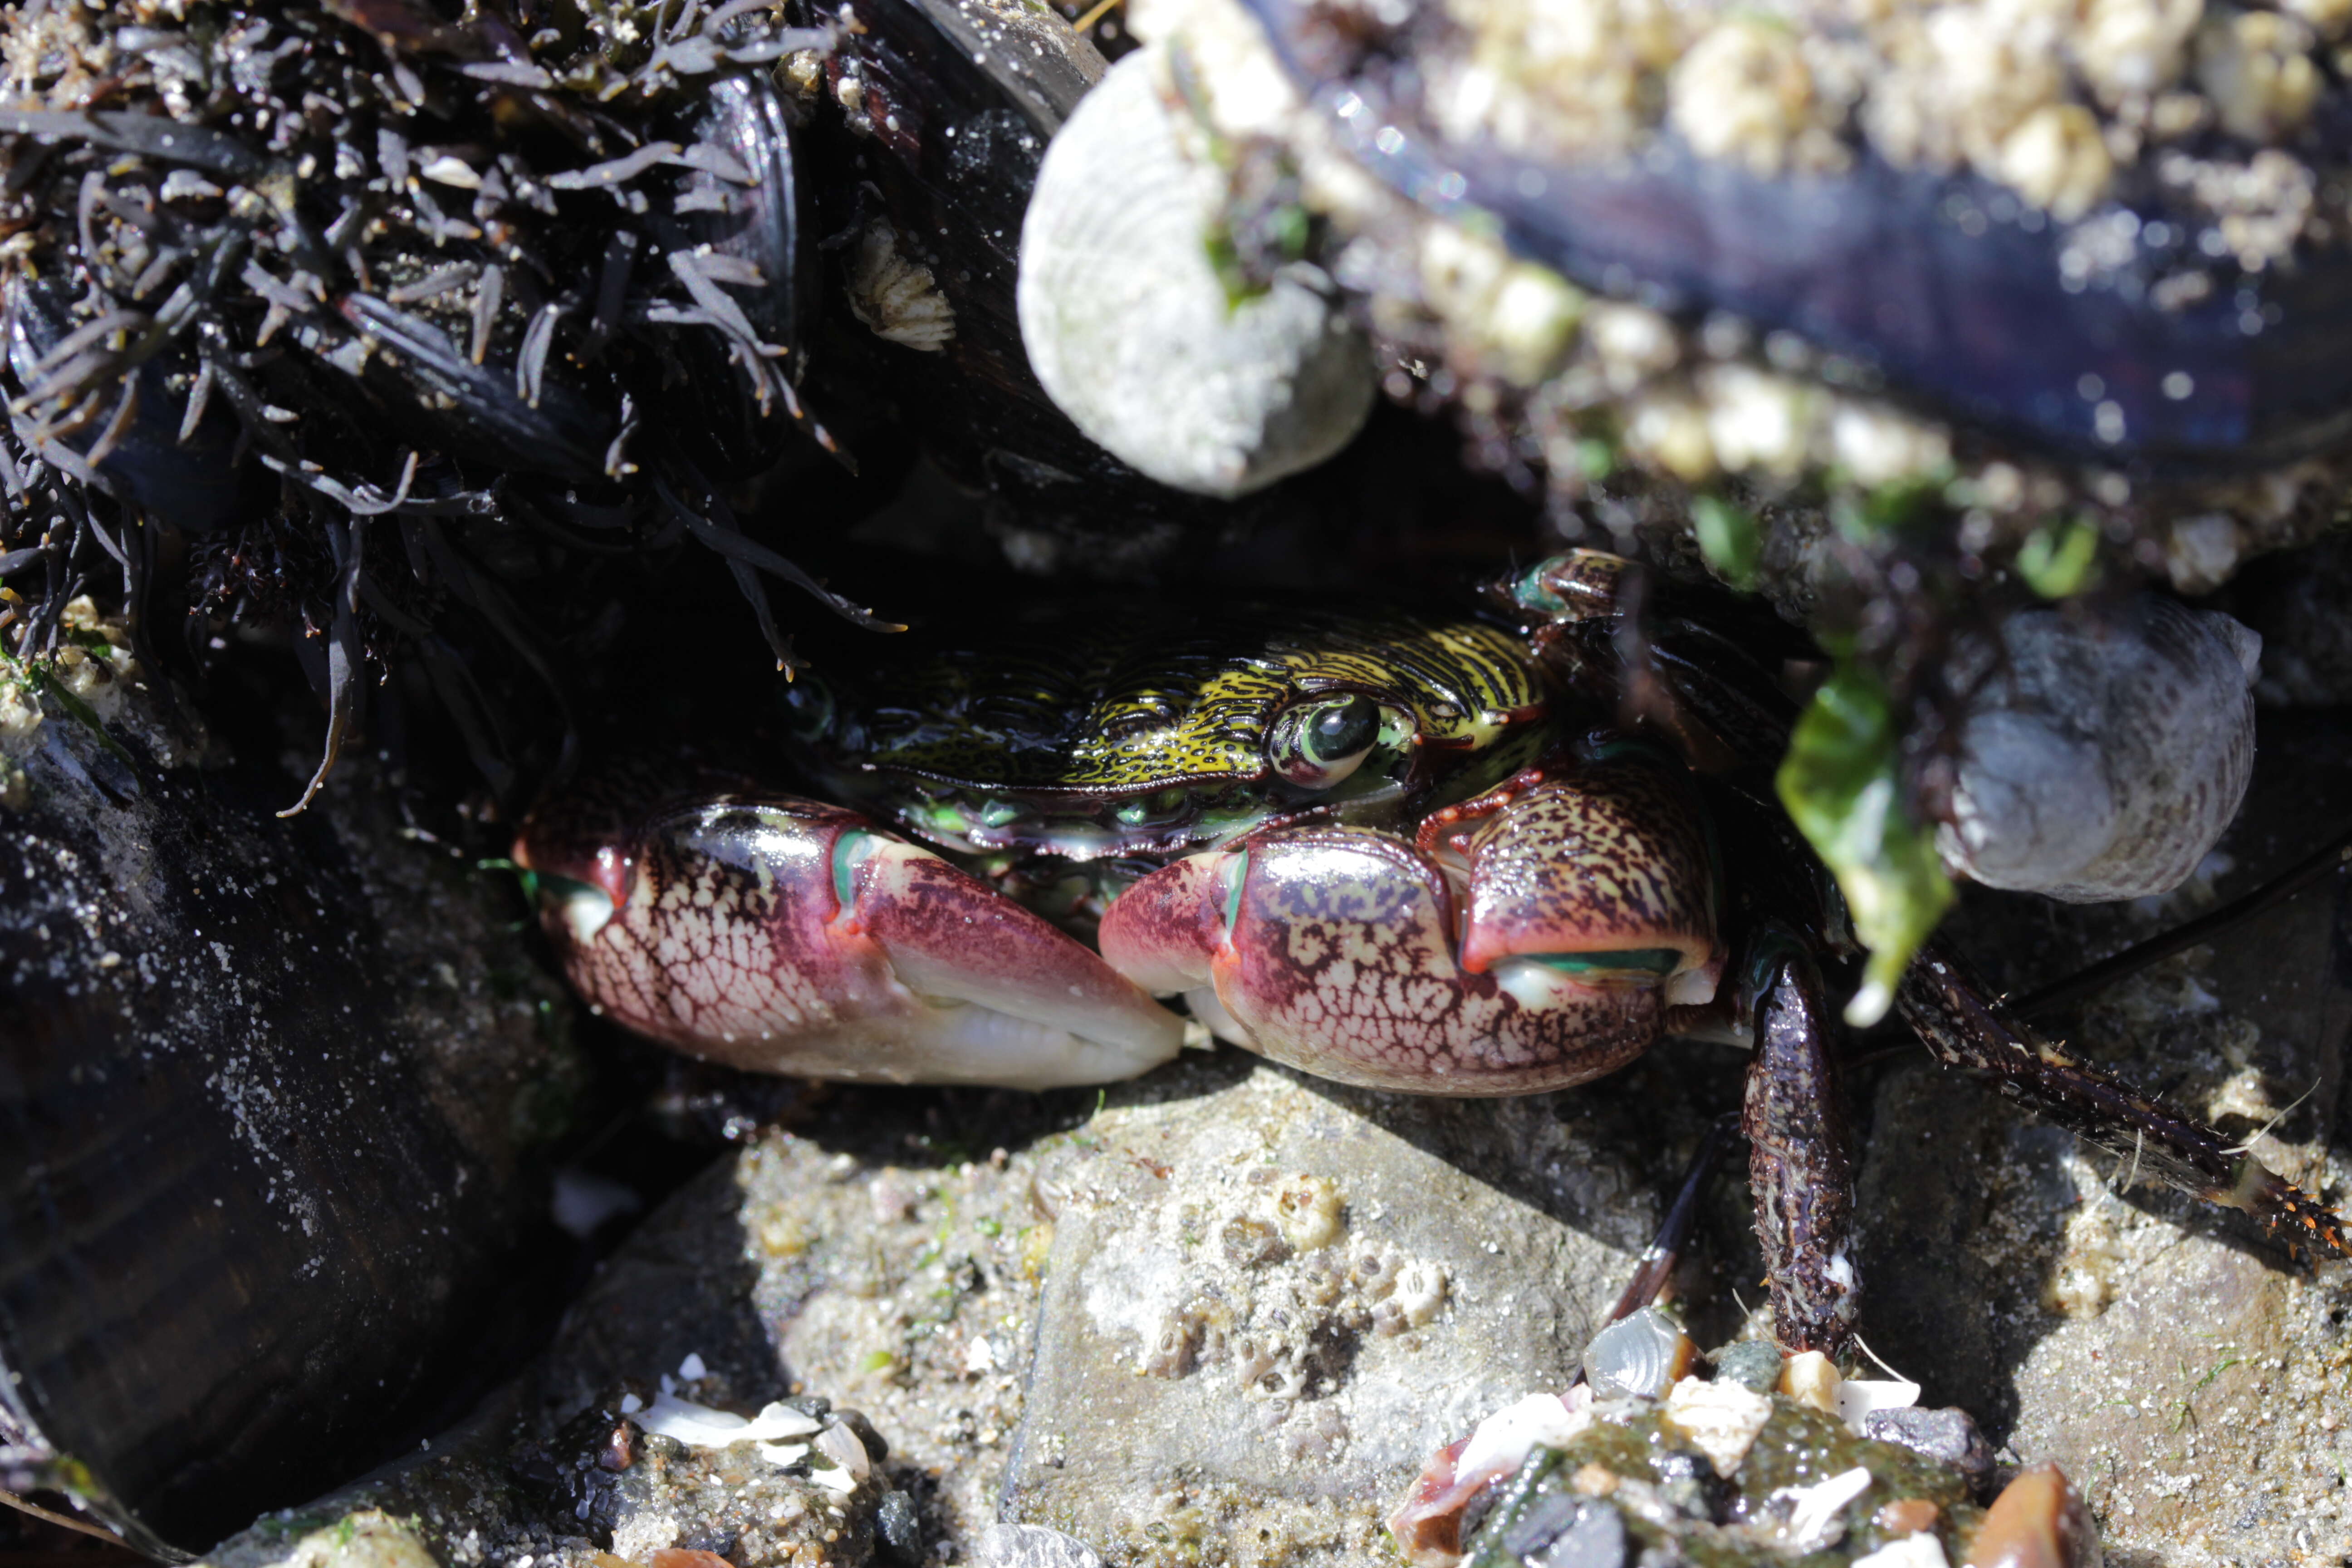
{"x": 1477, "y": 853}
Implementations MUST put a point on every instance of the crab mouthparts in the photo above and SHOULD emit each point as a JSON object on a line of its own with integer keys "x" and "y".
{"x": 1087, "y": 828}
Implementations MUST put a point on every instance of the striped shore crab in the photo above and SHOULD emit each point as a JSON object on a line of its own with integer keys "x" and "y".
{"x": 1905, "y": 317}
{"x": 1465, "y": 853}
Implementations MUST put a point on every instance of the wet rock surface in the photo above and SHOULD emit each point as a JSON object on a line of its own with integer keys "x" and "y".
{"x": 1269, "y": 1301}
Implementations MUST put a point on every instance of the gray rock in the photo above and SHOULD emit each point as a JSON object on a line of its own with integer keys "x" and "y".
{"x": 1270, "y": 1301}
{"x": 1754, "y": 1364}
{"x": 897, "y": 1530}
{"x": 1948, "y": 1435}
{"x": 1593, "y": 1536}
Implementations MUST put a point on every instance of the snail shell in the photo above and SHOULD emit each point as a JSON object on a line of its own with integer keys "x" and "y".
{"x": 2108, "y": 752}
{"x": 1129, "y": 328}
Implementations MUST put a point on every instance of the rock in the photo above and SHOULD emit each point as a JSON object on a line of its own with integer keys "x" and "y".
{"x": 1593, "y": 1537}
{"x": 897, "y": 1530}
{"x": 1269, "y": 1300}
{"x": 364, "y": 1538}
{"x": 1754, "y": 1364}
{"x": 1030, "y": 1546}
{"x": 1948, "y": 1435}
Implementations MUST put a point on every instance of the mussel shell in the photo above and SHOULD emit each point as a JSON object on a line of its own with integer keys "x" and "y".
{"x": 429, "y": 389}
{"x": 711, "y": 404}
{"x": 264, "y": 1157}
{"x": 1948, "y": 287}
{"x": 196, "y": 483}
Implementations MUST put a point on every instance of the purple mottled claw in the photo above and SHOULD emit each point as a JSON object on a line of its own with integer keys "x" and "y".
{"x": 1337, "y": 950}
{"x": 784, "y": 935}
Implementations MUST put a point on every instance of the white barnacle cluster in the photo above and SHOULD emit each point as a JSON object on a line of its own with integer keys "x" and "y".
{"x": 1277, "y": 1274}
{"x": 2047, "y": 98}
{"x": 87, "y": 676}
{"x": 896, "y": 297}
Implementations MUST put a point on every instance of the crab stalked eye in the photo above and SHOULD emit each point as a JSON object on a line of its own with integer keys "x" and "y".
{"x": 1316, "y": 745}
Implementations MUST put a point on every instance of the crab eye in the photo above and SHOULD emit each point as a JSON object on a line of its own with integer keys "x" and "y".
{"x": 1316, "y": 746}
{"x": 808, "y": 708}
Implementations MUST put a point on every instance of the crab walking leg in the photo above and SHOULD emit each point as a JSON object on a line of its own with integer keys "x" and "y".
{"x": 1801, "y": 1160}
{"x": 1946, "y": 1003}
{"x": 1336, "y": 951}
{"x": 1660, "y": 1259}
{"x": 784, "y": 935}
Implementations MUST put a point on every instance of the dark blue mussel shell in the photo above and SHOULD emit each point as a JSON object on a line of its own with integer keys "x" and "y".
{"x": 1946, "y": 288}
{"x": 768, "y": 226}
{"x": 195, "y": 483}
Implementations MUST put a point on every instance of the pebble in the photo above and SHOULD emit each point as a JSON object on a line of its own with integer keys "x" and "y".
{"x": 1031, "y": 1546}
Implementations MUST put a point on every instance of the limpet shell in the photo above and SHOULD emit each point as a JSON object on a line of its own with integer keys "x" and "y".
{"x": 1130, "y": 330}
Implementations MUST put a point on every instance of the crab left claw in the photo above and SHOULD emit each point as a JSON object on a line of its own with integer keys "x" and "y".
{"x": 784, "y": 935}
{"x": 1584, "y": 911}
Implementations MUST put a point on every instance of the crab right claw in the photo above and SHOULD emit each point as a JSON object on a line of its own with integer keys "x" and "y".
{"x": 778, "y": 934}
{"x": 1587, "y": 909}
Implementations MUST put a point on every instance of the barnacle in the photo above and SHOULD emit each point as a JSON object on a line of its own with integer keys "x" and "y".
{"x": 376, "y": 310}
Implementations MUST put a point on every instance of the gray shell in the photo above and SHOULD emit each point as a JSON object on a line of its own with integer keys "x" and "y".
{"x": 2107, "y": 758}
{"x": 1129, "y": 327}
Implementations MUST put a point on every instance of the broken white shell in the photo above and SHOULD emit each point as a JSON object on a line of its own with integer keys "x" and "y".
{"x": 1721, "y": 1420}
{"x": 2107, "y": 756}
{"x": 1130, "y": 329}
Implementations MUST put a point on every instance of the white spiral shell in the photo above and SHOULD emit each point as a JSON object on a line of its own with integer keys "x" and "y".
{"x": 1130, "y": 329}
{"x": 2106, "y": 753}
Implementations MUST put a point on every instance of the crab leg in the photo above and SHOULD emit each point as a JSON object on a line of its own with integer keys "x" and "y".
{"x": 1660, "y": 1259}
{"x": 1587, "y": 907}
{"x": 1801, "y": 1160}
{"x": 782, "y": 935}
{"x": 1945, "y": 1003}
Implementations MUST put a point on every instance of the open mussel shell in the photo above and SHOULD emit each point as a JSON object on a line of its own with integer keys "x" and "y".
{"x": 274, "y": 1099}
{"x": 2118, "y": 316}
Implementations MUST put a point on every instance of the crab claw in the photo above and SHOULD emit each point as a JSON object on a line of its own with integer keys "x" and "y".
{"x": 782, "y": 935}
{"x": 1337, "y": 950}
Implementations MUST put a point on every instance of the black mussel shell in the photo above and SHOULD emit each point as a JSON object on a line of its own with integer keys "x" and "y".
{"x": 427, "y": 387}
{"x": 732, "y": 426}
{"x": 268, "y": 1143}
{"x": 195, "y": 481}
